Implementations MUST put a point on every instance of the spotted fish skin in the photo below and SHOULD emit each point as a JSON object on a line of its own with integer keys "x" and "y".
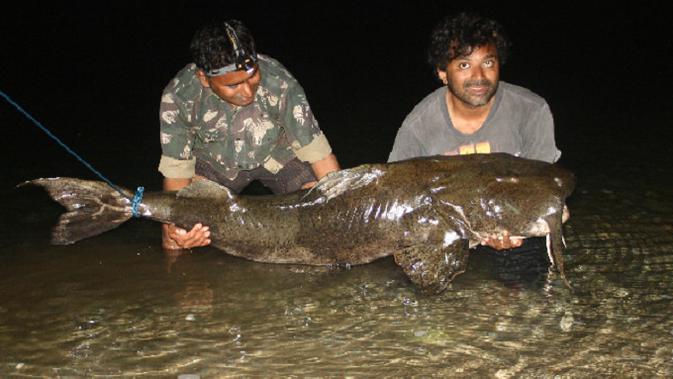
{"x": 426, "y": 212}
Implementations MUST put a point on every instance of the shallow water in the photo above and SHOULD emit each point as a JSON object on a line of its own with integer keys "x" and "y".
{"x": 116, "y": 305}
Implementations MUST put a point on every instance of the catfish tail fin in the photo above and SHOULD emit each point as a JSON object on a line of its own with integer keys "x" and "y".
{"x": 93, "y": 208}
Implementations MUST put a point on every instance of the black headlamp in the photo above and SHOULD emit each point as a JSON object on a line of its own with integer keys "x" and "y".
{"x": 243, "y": 60}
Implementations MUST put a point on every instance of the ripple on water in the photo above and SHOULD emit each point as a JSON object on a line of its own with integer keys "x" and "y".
{"x": 121, "y": 308}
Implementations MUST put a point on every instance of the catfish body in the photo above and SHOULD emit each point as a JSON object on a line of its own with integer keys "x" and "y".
{"x": 426, "y": 212}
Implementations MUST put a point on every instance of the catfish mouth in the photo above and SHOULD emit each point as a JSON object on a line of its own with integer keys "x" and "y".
{"x": 539, "y": 228}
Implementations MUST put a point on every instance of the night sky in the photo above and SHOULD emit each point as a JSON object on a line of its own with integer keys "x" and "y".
{"x": 94, "y": 76}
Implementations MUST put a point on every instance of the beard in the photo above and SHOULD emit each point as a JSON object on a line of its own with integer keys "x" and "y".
{"x": 463, "y": 94}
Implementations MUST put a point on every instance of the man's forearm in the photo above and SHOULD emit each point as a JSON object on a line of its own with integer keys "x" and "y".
{"x": 175, "y": 184}
{"x": 325, "y": 166}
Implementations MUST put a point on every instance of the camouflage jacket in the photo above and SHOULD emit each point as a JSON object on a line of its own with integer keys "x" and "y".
{"x": 274, "y": 129}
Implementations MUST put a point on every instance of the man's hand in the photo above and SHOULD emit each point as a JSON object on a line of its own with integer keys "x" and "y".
{"x": 174, "y": 238}
{"x": 506, "y": 242}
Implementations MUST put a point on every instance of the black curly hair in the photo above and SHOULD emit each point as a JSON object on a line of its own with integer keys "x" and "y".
{"x": 211, "y": 47}
{"x": 457, "y": 36}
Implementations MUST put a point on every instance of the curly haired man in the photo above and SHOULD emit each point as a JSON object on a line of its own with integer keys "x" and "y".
{"x": 474, "y": 111}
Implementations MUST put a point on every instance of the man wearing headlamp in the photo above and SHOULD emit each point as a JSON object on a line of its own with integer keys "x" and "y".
{"x": 234, "y": 116}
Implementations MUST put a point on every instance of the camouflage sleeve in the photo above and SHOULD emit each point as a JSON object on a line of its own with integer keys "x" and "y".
{"x": 317, "y": 150}
{"x": 177, "y": 137}
{"x": 301, "y": 126}
{"x": 177, "y": 168}
{"x": 539, "y": 142}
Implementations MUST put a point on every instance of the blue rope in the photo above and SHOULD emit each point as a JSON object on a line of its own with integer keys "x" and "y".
{"x": 136, "y": 200}
{"x": 139, "y": 192}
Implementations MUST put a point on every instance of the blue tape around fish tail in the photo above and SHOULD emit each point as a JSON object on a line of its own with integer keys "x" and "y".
{"x": 136, "y": 201}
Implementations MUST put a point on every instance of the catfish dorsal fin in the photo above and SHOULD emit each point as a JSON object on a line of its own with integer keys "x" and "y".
{"x": 336, "y": 183}
{"x": 204, "y": 188}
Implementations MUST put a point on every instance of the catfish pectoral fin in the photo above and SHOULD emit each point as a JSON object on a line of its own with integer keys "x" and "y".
{"x": 432, "y": 268}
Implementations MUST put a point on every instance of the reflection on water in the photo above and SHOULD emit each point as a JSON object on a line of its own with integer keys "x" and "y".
{"x": 117, "y": 305}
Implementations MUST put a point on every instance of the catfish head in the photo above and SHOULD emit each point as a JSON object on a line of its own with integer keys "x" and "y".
{"x": 513, "y": 200}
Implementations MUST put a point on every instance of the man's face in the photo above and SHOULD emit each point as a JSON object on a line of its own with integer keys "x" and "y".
{"x": 473, "y": 79}
{"x": 236, "y": 87}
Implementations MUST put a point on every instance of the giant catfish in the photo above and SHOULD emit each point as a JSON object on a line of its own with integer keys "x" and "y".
{"x": 426, "y": 212}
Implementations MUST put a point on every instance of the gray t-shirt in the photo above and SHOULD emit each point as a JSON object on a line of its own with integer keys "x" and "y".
{"x": 519, "y": 123}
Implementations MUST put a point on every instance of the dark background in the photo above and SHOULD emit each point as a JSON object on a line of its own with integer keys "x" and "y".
{"x": 93, "y": 74}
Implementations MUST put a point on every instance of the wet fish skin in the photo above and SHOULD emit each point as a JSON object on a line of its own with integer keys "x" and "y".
{"x": 426, "y": 212}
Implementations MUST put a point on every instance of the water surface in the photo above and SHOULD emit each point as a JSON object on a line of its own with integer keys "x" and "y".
{"x": 117, "y": 305}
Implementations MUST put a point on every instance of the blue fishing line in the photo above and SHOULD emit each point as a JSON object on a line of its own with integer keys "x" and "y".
{"x": 139, "y": 192}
